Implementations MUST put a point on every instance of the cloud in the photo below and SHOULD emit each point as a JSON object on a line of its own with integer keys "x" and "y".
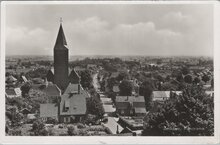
{"x": 21, "y": 40}
{"x": 96, "y": 36}
{"x": 178, "y": 21}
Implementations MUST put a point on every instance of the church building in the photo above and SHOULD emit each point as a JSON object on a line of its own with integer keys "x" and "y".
{"x": 72, "y": 100}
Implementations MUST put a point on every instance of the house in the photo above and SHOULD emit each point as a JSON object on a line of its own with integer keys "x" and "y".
{"x": 31, "y": 117}
{"x": 11, "y": 80}
{"x": 71, "y": 108}
{"x": 24, "y": 79}
{"x": 160, "y": 95}
{"x": 130, "y": 105}
{"x": 73, "y": 104}
{"x": 48, "y": 110}
{"x": 25, "y": 111}
{"x": 114, "y": 74}
{"x": 13, "y": 92}
{"x": 164, "y": 95}
{"x": 209, "y": 93}
{"x": 107, "y": 105}
{"x": 91, "y": 66}
{"x": 113, "y": 125}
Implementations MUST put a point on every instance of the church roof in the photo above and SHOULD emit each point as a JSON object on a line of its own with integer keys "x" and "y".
{"x": 52, "y": 70}
{"x": 61, "y": 40}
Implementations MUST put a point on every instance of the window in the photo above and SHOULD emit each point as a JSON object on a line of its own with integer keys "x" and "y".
{"x": 131, "y": 112}
{"x": 66, "y": 119}
{"x": 66, "y": 105}
{"x": 122, "y": 112}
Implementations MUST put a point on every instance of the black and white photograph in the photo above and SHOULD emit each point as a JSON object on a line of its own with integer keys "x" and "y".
{"x": 109, "y": 69}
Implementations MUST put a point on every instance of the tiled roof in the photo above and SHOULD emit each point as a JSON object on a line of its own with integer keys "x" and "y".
{"x": 61, "y": 40}
{"x": 24, "y": 78}
{"x": 140, "y": 110}
{"x": 161, "y": 95}
{"x": 77, "y": 104}
{"x": 11, "y": 78}
{"x": 48, "y": 110}
{"x": 114, "y": 74}
{"x": 13, "y": 92}
{"x": 31, "y": 116}
{"x": 52, "y": 90}
{"x": 75, "y": 99}
{"x": 130, "y": 99}
{"x": 69, "y": 70}
{"x": 106, "y": 100}
{"x": 108, "y": 108}
{"x": 113, "y": 125}
{"x": 10, "y": 92}
{"x": 72, "y": 88}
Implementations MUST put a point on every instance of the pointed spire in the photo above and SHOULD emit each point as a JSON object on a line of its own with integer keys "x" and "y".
{"x": 61, "y": 40}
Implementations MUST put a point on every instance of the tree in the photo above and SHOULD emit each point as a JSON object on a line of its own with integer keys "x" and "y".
{"x": 205, "y": 78}
{"x": 122, "y": 76}
{"x": 86, "y": 79}
{"x": 111, "y": 82}
{"x": 125, "y": 88}
{"x": 39, "y": 128}
{"x": 167, "y": 86}
{"x": 196, "y": 80}
{"x": 190, "y": 114}
{"x": 188, "y": 79}
{"x": 179, "y": 78}
{"x": 146, "y": 90}
{"x": 185, "y": 70}
{"x": 95, "y": 107}
{"x": 25, "y": 89}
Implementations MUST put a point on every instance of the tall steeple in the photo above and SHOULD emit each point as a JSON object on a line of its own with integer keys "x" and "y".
{"x": 61, "y": 60}
{"x": 61, "y": 39}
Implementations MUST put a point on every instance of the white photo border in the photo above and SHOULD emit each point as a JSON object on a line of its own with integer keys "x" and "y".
{"x": 114, "y": 139}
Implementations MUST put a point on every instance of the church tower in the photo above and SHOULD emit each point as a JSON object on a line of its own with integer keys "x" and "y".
{"x": 61, "y": 60}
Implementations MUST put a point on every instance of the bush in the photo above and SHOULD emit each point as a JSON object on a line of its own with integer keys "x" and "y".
{"x": 15, "y": 132}
{"x": 51, "y": 120}
{"x": 90, "y": 119}
{"x": 38, "y": 128}
{"x": 80, "y": 126}
{"x": 72, "y": 130}
{"x": 83, "y": 132}
{"x": 43, "y": 132}
{"x": 51, "y": 132}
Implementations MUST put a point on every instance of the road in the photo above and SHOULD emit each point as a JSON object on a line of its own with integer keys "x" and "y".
{"x": 96, "y": 82}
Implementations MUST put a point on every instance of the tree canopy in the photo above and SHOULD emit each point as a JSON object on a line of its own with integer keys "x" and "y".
{"x": 25, "y": 89}
{"x": 190, "y": 114}
{"x": 86, "y": 79}
{"x": 146, "y": 90}
{"x": 205, "y": 78}
{"x": 94, "y": 106}
{"x": 125, "y": 88}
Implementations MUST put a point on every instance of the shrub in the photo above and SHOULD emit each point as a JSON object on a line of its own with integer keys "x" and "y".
{"x": 51, "y": 132}
{"x": 51, "y": 120}
{"x": 90, "y": 119}
{"x": 72, "y": 130}
{"x": 43, "y": 132}
{"x": 83, "y": 132}
{"x": 80, "y": 126}
{"x": 15, "y": 132}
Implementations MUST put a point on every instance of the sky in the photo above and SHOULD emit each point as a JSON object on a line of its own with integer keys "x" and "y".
{"x": 116, "y": 29}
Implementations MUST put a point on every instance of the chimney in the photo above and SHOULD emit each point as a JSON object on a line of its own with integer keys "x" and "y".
{"x": 46, "y": 82}
{"x": 78, "y": 88}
